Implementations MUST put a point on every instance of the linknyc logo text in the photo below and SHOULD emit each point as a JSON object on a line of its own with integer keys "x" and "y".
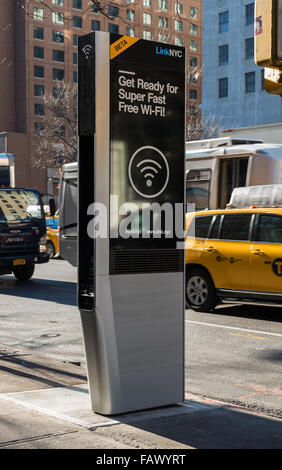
{"x": 170, "y": 52}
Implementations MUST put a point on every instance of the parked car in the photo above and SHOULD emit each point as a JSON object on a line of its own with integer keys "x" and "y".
{"x": 234, "y": 254}
{"x": 52, "y": 244}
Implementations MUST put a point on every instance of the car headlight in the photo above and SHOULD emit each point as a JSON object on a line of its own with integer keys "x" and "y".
{"x": 42, "y": 244}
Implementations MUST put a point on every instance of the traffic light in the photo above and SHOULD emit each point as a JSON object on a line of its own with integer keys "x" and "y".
{"x": 268, "y": 33}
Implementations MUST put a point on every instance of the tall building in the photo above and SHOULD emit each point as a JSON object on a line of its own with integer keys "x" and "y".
{"x": 232, "y": 84}
{"x": 38, "y": 47}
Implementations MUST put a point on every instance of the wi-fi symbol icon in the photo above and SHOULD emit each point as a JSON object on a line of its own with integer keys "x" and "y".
{"x": 148, "y": 169}
{"x": 86, "y": 50}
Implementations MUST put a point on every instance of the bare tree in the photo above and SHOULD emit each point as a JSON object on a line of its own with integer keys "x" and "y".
{"x": 55, "y": 138}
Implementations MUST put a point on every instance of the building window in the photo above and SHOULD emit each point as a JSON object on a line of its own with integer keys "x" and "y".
{"x": 163, "y": 5}
{"x": 193, "y": 29}
{"x": 178, "y": 25}
{"x": 77, "y": 4}
{"x": 193, "y": 61}
{"x": 113, "y": 11}
{"x": 193, "y": 77}
{"x": 130, "y": 31}
{"x": 38, "y": 90}
{"x": 59, "y": 3}
{"x": 147, "y": 18}
{"x": 193, "y": 45}
{"x": 130, "y": 1}
{"x": 194, "y": 12}
{"x": 250, "y": 13}
{"x": 58, "y": 93}
{"x": 58, "y": 74}
{"x": 223, "y": 87}
{"x": 223, "y": 19}
{"x": 178, "y": 41}
{"x": 38, "y": 33}
{"x": 58, "y": 55}
{"x": 147, "y": 3}
{"x": 95, "y": 25}
{"x": 193, "y": 94}
{"x": 163, "y": 37}
{"x": 262, "y": 80}
{"x": 77, "y": 21}
{"x": 38, "y": 52}
{"x": 130, "y": 15}
{"x": 249, "y": 48}
{"x": 163, "y": 22}
{"x": 75, "y": 39}
{"x": 75, "y": 76}
{"x": 57, "y": 18}
{"x": 192, "y": 110}
{"x": 113, "y": 28}
{"x": 39, "y": 71}
{"x": 38, "y": 14}
{"x": 250, "y": 82}
{"x": 94, "y": 9}
{"x": 74, "y": 58}
{"x": 58, "y": 36}
{"x": 178, "y": 7}
{"x": 39, "y": 109}
{"x": 223, "y": 55}
{"x": 147, "y": 35}
{"x": 39, "y": 128}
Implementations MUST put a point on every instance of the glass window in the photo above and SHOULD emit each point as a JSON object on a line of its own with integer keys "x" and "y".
{"x": 163, "y": 5}
{"x": 147, "y": 18}
{"x": 250, "y": 13}
{"x": 147, "y": 3}
{"x": 192, "y": 94}
{"x": 39, "y": 128}
{"x": 130, "y": 15}
{"x": 194, "y": 12}
{"x": 202, "y": 225}
{"x": 178, "y": 41}
{"x": 147, "y": 35}
{"x": 38, "y": 52}
{"x": 58, "y": 74}
{"x": 193, "y": 77}
{"x": 223, "y": 54}
{"x": 113, "y": 11}
{"x": 270, "y": 229}
{"x": 38, "y": 14}
{"x": 193, "y": 61}
{"x": 60, "y": 3}
{"x": 38, "y": 33}
{"x": 39, "y": 109}
{"x": 57, "y": 17}
{"x": 178, "y": 7}
{"x": 130, "y": 31}
{"x": 178, "y": 25}
{"x": 77, "y": 4}
{"x": 58, "y": 36}
{"x": 236, "y": 227}
{"x": 193, "y": 29}
{"x": 163, "y": 38}
{"x": 75, "y": 39}
{"x": 58, "y": 55}
{"x": 193, "y": 45}
{"x": 58, "y": 93}
{"x": 74, "y": 55}
{"x": 250, "y": 82}
{"x": 113, "y": 28}
{"x": 39, "y": 71}
{"x": 223, "y": 19}
{"x": 223, "y": 87}
{"x": 95, "y": 9}
{"x": 77, "y": 21}
{"x": 198, "y": 188}
{"x": 95, "y": 25}
{"x": 249, "y": 48}
{"x": 215, "y": 227}
{"x": 163, "y": 22}
{"x": 38, "y": 90}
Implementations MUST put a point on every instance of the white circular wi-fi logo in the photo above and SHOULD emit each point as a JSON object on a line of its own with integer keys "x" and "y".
{"x": 148, "y": 171}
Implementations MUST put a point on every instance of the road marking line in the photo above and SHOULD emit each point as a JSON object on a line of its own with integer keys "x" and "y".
{"x": 233, "y": 328}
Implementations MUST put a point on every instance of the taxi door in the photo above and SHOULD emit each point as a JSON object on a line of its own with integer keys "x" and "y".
{"x": 266, "y": 254}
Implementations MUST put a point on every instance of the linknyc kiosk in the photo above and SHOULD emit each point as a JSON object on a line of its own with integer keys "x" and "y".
{"x": 131, "y": 106}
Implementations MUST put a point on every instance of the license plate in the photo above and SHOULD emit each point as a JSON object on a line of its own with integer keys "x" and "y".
{"x": 19, "y": 262}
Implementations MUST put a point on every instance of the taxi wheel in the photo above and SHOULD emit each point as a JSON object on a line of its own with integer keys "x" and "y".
{"x": 24, "y": 273}
{"x": 200, "y": 291}
{"x": 50, "y": 249}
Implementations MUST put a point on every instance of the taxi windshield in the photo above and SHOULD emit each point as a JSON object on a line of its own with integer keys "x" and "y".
{"x": 20, "y": 206}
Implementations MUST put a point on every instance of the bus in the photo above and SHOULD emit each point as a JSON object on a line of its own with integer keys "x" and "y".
{"x": 7, "y": 170}
{"x": 215, "y": 167}
{"x": 68, "y": 213}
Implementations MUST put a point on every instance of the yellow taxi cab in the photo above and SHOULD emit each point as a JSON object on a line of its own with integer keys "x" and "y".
{"x": 52, "y": 243}
{"x": 233, "y": 254}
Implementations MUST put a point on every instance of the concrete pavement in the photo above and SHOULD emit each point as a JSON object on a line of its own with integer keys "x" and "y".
{"x": 44, "y": 404}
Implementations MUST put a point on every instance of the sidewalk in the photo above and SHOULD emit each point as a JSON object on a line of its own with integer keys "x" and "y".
{"x": 44, "y": 404}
